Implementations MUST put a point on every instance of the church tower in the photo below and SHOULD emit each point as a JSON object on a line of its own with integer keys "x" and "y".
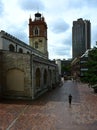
{"x": 38, "y": 33}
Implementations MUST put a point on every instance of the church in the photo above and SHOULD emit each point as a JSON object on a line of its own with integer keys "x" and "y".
{"x": 26, "y": 72}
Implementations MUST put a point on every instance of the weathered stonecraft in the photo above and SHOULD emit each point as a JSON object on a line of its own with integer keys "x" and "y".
{"x": 25, "y": 76}
{"x": 25, "y": 70}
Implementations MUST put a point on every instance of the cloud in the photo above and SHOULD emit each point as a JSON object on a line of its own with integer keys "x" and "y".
{"x": 1, "y": 8}
{"x": 67, "y": 41}
{"x": 31, "y": 5}
{"x": 58, "y": 15}
{"x": 21, "y": 35}
{"x": 62, "y": 49}
{"x": 60, "y": 52}
{"x": 91, "y": 3}
{"x": 59, "y": 26}
{"x": 94, "y": 36}
{"x": 19, "y": 31}
{"x": 82, "y": 3}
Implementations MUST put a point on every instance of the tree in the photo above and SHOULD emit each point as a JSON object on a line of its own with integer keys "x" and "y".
{"x": 91, "y": 74}
{"x": 66, "y": 69}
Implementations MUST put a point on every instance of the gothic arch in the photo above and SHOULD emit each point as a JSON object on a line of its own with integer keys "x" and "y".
{"x": 20, "y": 50}
{"x": 15, "y": 80}
{"x": 36, "y": 31}
{"x": 11, "y": 48}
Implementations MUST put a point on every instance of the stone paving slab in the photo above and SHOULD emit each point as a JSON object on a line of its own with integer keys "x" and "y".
{"x": 45, "y": 114}
{"x": 8, "y": 112}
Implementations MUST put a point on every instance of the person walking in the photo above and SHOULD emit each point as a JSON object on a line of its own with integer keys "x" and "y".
{"x": 70, "y": 99}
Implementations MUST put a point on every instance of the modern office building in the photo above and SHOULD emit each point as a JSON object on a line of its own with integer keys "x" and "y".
{"x": 81, "y": 37}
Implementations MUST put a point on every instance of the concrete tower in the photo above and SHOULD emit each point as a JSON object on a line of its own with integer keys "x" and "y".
{"x": 38, "y": 33}
{"x": 81, "y": 37}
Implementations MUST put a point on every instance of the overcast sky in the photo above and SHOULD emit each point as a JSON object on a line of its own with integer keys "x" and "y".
{"x": 59, "y": 16}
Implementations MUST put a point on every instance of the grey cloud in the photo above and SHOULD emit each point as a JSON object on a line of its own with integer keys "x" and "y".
{"x": 21, "y": 36}
{"x": 76, "y": 4}
{"x": 94, "y": 37}
{"x": 67, "y": 42}
{"x": 31, "y": 5}
{"x": 60, "y": 51}
{"x": 63, "y": 50}
{"x": 91, "y": 3}
{"x": 81, "y": 3}
{"x": 59, "y": 26}
{"x": 19, "y": 32}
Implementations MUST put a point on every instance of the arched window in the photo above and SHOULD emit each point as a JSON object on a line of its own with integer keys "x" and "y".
{"x": 36, "y": 45}
{"x": 15, "y": 80}
{"x": 11, "y": 48}
{"x": 28, "y": 52}
{"x": 20, "y": 50}
{"x": 36, "y": 31}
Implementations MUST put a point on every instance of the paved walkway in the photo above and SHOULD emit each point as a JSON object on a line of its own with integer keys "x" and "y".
{"x": 52, "y": 111}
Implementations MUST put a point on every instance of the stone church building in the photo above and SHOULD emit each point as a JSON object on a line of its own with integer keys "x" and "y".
{"x": 25, "y": 70}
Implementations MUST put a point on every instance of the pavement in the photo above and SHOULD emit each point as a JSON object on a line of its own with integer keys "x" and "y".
{"x": 52, "y": 110}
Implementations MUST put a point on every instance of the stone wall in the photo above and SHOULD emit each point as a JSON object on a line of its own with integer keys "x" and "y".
{"x": 15, "y": 65}
{"x": 18, "y": 75}
{"x": 47, "y": 82}
{"x": 0, "y": 71}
